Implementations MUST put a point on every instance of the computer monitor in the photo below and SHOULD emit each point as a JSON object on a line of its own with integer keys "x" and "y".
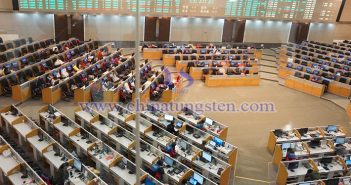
{"x": 293, "y": 165}
{"x": 332, "y": 128}
{"x": 209, "y": 121}
{"x": 212, "y": 143}
{"x": 348, "y": 162}
{"x": 131, "y": 167}
{"x": 303, "y": 131}
{"x": 218, "y": 141}
{"x": 207, "y": 156}
{"x": 198, "y": 178}
{"x": 168, "y": 161}
{"x": 326, "y": 160}
{"x": 315, "y": 143}
{"x": 340, "y": 140}
{"x": 179, "y": 124}
{"x": 168, "y": 117}
{"x": 183, "y": 145}
{"x": 285, "y": 146}
{"x": 77, "y": 165}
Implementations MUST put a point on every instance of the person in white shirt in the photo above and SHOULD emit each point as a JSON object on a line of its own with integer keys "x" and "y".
{"x": 58, "y": 62}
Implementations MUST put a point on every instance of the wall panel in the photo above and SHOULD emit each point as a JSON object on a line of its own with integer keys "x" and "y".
{"x": 112, "y": 28}
{"x": 346, "y": 13}
{"x": 150, "y": 28}
{"x": 267, "y": 31}
{"x": 299, "y": 32}
{"x": 164, "y": 29}
{"x": 35, "y": 25}
{"x": 6, "y": 5}
{"x": 327, "y": 32}
{"x": 196, "y": 29}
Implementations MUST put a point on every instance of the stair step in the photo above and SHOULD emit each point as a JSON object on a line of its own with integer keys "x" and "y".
{"x": 268, "y": 64}
{"x": 268, "y": 76}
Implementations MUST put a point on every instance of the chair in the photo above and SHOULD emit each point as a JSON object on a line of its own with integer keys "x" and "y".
{"x": 17, "y": 53}
{"x": 1, "y": 41}
{"x": 177, "y": 58}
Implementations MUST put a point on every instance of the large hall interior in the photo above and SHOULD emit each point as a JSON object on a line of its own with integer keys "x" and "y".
{"x": 175, "y": 92}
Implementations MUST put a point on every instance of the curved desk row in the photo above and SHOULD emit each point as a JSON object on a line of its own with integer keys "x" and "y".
{"x": 231, "y": 80}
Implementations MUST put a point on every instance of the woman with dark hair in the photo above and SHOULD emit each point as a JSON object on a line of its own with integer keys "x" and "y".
{"x": 61, "y": 175}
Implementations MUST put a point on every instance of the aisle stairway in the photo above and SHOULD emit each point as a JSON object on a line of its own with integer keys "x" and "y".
{"x": 268, "y": 65}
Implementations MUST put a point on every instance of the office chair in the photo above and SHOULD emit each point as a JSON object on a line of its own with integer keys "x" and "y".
{"x": 30, "y": 39}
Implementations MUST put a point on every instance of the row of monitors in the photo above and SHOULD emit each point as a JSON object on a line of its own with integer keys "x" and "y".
{"x": 325, "y": 46}
{"x": 12, "y": 44}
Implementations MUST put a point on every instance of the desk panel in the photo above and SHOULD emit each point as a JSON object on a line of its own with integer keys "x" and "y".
{"x": 227, "y": 81}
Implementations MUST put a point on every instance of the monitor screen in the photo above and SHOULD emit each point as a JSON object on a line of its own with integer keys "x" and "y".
{"x": 285, "y": 146}
{"x": 209, "y": 121}
{"x": 179, "y": 124}
{"x": 332, "y": 128}
{"x": 131, "y": 167}
{"x": 198, "y": 178}
{"x": 168, "y": 117}
{"x": 77, "y": 165}
{"x": 68, "y": 55}
{"x": 326, "y": 160}
{"x": 207, "y": 156}
{"x": 183, "y": 145}
{"x": 69, "y": 68}
{"x": 212, "y": 143}
{"x": 348, "y": 162}
{"x": 168, "y": 161}
{"x": 340, "y": 140}
{"x": 24, "y": 60}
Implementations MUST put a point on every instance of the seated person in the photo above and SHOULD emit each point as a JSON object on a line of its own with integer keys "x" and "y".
{"x": 221, "y": 71}
{"x": 2, "y": 72}
{"x": 237, "y": 71}
{"x": 126, "y": 87}
{"x": 290, "y": 155}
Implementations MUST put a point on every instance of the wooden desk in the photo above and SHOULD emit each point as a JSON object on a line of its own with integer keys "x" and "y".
{"x": 81, "y": 95}
{"x": 152, "y": 53}
{"x": 340, "y": 89}
{"x": 21, "y": 92}
{"x": 232, "y": 80}
{"x": 197, "y": 72}
{"x": 305, "y": 86}
{"x": 171, "y": 95}
{"x": 51, "y": 95}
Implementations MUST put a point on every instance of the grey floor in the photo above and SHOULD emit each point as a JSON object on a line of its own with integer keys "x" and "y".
{"x": 247, "y": 131}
